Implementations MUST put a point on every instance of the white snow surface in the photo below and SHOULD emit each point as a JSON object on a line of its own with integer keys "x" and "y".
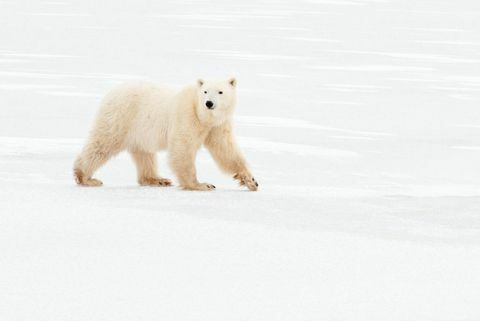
{"x": 360, "y": 119}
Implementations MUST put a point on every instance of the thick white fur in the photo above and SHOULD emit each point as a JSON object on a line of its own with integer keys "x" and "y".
{"x": 144, "y": 118}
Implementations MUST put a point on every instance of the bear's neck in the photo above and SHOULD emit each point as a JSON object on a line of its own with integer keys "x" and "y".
{"x": 210, "y": 119}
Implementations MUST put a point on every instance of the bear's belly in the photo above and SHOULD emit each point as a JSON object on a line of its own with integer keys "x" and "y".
{"x": 148, "y": 135}
{"x": 149, "y": 129}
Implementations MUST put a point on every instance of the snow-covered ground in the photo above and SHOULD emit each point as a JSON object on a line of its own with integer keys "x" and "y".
{"x": 360, "y": 119}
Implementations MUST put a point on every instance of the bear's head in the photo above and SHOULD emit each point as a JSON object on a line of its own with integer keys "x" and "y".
{"x": 216, "y": 99}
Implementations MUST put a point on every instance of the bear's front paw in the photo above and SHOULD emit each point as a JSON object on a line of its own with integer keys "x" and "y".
{"x": 248, "y": 180}
{"x": 200, "y": 187}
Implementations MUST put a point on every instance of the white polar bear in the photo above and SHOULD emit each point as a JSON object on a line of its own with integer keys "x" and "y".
{"x": 144, "y": 118}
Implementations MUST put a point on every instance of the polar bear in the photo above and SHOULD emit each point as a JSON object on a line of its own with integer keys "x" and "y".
{"x": 144, "y": 118}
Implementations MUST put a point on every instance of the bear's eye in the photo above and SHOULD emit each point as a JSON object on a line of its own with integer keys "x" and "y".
{"x": 205, "y": 92}
{"x": 220, "y": 92}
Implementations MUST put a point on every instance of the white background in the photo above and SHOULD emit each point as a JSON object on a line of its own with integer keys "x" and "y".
{"x": 360, "y": 119}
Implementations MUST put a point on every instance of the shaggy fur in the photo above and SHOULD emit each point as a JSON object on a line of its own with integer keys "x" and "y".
{"x": 143, "y": 119}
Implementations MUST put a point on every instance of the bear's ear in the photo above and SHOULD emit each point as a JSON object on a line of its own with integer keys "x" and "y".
{"x": 232, "y": 81}
{"x": 200, "y": 82}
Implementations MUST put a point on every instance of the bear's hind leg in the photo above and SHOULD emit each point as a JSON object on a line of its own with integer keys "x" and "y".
{"x": 92, "y": 158}
{"x": 147, "y": 170}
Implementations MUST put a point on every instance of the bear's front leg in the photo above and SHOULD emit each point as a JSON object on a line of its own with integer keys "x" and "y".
{"x": 221, "y": 144}
{"x": 182, "y": 160}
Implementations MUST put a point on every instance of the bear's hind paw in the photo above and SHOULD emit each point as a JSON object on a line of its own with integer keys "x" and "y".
{"x": 155, "y": 181}
{"x": 91, "y": 182}
{"x": 200, "y": 187}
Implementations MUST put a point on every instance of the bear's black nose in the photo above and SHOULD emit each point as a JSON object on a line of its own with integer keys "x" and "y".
{"x": 209, "y": 104}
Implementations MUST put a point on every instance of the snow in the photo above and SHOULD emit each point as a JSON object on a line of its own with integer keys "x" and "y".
{"x": 360, "y": 119}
